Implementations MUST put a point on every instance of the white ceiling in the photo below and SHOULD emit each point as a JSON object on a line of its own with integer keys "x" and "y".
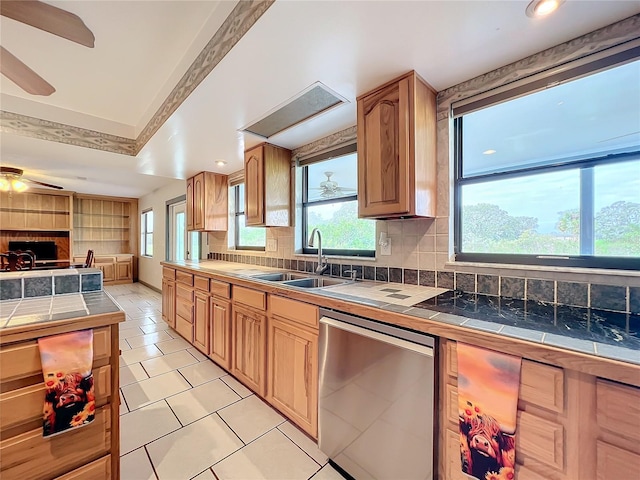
{"x": 144, "y": 47}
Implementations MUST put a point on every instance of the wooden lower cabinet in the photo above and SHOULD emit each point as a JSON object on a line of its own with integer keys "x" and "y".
{"x": 108, "y": 271}
{"x": 220, "y": 332}
{"x": 90, "y": 452}
{"x": 292, "y": 379}
{"x": 201, "y": 322}
{"x": 248, "y": 352}
{"x": 169, "y": 302}
{"x": 570, "y": 425}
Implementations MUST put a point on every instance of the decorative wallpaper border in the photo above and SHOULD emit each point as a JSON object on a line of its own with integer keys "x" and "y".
{"x": 596, "y": 41}
{"x": 61, "y": 133}
{"x": 240, "y": 20}
{"x": 343, "y": 137}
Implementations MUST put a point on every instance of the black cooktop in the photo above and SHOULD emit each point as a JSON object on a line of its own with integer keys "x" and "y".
{"x": 613, "y": 328}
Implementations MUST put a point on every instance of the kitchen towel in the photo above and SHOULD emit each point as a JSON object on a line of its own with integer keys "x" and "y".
{"x": 488, "y": 384}
{"x": 66, "y": 365}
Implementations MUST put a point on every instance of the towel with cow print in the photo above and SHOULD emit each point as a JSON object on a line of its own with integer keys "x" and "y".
{"x": 488, "y": 384}
{"x": 66, "y": 366}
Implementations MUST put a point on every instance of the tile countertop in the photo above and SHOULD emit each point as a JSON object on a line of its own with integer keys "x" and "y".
{"x": 29, "y": 311}
{"x": 596, "y": 332}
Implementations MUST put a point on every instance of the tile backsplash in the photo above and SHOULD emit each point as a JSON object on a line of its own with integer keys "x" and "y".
{"x": 620, "y": 298}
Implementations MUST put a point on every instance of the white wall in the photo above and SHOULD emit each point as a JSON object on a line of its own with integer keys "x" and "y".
{"x": 149, "y": 269}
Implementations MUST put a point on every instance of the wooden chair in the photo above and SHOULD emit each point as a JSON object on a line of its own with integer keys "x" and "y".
{"x": 18, "y": 260}
{"x": 88, "y": 262}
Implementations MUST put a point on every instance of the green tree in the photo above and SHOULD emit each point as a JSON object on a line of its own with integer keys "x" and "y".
{"x": 485, "y": 223}
{"x": 618, "y": 220}
{"x": 569, "y": 222}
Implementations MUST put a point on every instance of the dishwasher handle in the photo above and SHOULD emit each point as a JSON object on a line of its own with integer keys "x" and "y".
{"x": 381, "y": 337}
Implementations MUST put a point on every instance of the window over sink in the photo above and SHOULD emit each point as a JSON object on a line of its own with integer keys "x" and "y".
{"x": 548, "y": 172}
{"x": 246, "y": 238}
{"x": 330, "y": 203}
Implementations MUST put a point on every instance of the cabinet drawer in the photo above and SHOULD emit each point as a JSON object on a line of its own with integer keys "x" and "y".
{"x": 31, "y": 456}
{"x": 184, "y": 328}
{"x": 220, "y": 289}
{"x": 541, "y": 385}
{"x": 25, "y": 404}
{"x": 23, "y": 359}
{"x": 297, "y": 311}
{"x": 540, "y": 439}
{"x": 185, "y": 310}
{"x": 168, "y": 273}
{"x": 614, "y": 463}
{"x": 251, "y": 298}
{"x": 617, "y": 406}
{"x": 183, "y": 292}
{"x": 97, "y": 470}
{"x": 201, "y": 283}
{"x": 183, "y": 277}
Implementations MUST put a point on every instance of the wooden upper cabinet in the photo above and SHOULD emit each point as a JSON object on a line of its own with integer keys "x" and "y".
{"x": 207, "y": 196}
{"x": 397, "y": 150}
{"x": 190, "y": 204}
{"x": 267, "y": 178}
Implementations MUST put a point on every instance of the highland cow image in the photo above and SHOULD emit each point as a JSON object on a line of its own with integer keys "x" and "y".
{"x": 487, "y": 403}
{"x": 66, "y": 366}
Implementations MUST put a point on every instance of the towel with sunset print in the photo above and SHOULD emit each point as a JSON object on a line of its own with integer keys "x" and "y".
{"x": 66, "y": 366}
{"x": 488, "y": 384}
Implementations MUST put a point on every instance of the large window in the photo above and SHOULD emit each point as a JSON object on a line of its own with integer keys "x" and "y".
{"x": 330, "y": 204}
{"x": 146, "y": 234}
{"x": 246, "y": 238}
{"x": 552, "y": 176}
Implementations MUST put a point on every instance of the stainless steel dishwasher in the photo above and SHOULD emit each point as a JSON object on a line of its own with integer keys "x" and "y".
{"x": 376, "y": 398}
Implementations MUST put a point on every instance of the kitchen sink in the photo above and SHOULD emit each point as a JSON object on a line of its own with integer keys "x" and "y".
{"x": 281, "y": 277}
{"x": 315, "y": 282}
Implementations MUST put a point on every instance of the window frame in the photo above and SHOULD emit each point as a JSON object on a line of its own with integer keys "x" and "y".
{"x": 144, "y": 233}
{"x": 345, "y": 252}
{"x": 585, "y": 166}
{"x": 238, "y": 212}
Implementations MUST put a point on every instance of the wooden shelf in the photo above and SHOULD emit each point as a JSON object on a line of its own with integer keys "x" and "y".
{"x": 105, "y": 225}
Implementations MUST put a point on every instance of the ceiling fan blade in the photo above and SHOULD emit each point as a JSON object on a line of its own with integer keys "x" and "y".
{"x": 42, "y": 183}
{"x": 28, "y": 80}
{"x": 50, "y": 19}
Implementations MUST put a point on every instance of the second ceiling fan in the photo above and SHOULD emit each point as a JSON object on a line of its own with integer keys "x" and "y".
{"x": 44, "y": 17}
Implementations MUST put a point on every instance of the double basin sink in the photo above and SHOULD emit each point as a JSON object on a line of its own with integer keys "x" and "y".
{"x": 300, "y": 280}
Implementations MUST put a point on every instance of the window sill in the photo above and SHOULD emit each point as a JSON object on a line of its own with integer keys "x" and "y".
{"x": 335, "y": 257}
{"x": 460, "y": 266}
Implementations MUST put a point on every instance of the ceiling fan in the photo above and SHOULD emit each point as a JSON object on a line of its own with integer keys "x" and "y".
{"x": 11, "y": 179}
{"x": 44, "y": 17}
{"x": 330, "y": 188}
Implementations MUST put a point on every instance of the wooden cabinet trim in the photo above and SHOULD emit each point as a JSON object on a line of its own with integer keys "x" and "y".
{"x": 97, "y": 470}
{"x": 221, "y": 289}
{"x": 616, "y": 405}
{"x": 201, "y": 283}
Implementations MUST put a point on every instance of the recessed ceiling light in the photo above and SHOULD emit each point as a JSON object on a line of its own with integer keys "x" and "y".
{"x": 221, "y": 163}
{"x": 541, "y": 8}
{"x": 488, "y": 152}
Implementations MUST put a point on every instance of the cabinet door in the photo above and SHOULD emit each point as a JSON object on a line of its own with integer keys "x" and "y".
{"x": 108, "y": 271}
{"x": 220, "y": 332}
{"x": 384, "y": 152}
{"x": 293, "y": 373}
{"x": 190, "y": 205}
{"x": 123, "y": 270}
{"x": 254, "y": 186}
{"x": 198, "y": 202}
{"x": 169, "y": 302}
{"x": 201, "y": 323}
{"x": 249, "y": 348}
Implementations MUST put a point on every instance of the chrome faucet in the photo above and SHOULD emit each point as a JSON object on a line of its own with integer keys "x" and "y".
{"x": 323, "y": 265}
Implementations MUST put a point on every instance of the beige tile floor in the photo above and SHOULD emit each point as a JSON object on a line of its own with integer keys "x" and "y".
{"x": 183, "y": 417}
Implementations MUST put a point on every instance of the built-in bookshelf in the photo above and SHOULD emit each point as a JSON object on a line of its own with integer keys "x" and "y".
{"x": 106, "y": 225}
